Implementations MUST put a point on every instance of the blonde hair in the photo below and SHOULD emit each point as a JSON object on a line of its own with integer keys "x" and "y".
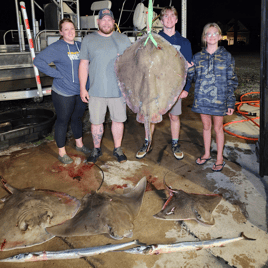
{"x": 206, "y": 28}
{"x": 62, "y": 21}
{"x": 165, "y": 9}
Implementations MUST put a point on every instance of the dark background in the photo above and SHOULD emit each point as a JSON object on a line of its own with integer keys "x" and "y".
{"x": 198, "y": 14}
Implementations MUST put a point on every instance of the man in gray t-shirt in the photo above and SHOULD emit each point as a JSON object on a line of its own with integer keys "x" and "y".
{"x": 101, "y": 49}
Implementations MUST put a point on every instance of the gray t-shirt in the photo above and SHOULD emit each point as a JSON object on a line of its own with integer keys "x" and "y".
{"x": 102, "y": 52}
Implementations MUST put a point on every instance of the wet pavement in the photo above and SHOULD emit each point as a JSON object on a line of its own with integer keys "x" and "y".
{"x": 243, "y": 208}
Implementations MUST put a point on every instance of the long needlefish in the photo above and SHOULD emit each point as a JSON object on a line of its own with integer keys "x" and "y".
{"x": 182, "y": 246}
{"x": 66, "y": 254}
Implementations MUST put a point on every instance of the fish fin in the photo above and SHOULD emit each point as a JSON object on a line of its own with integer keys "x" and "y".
{"x": 247, "y": 238}
{"x": 135, "y": 196}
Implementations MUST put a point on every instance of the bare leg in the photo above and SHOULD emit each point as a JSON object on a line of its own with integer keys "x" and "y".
{"x": 117, "y": 131}
{"x": 218, "y": 127}
{"x": 62, "y": 151}
{"x": 206, "y": 120}
{"x": 174, "y": 126}
{"x": 152, "y": 127}
{"x": 79, "y": 142}
{"x": 97, "y": 132}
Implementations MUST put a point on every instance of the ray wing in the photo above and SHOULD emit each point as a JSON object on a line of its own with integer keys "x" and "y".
{"x": 27, "y": 212}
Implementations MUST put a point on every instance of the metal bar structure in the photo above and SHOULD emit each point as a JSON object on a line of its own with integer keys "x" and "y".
{"x": 25, "y": 94}
{"x": 77, "y": 14}
{"x": 184, "y": 18}
{"x": 31, "y": 45}
{"x": 18, "y": 25}
{"x": 263, "y": 140}
{"x": 33, "y": 18}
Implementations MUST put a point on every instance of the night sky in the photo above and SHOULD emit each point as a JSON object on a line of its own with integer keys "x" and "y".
{"x": 199, "y": 13}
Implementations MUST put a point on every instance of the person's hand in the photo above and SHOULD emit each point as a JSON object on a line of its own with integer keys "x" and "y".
{"x": 183, "y": 94}
{"x": 230, "y": 111}
{"x": 84, "y": 95}
{"x": 190, "y": 64}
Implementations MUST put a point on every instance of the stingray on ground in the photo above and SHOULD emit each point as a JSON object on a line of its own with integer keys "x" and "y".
{"x": 181, "y": 206}
{"x": 151, "y": 78}
{"x": 26, "y": 213}
{"x": 104, "y": 213}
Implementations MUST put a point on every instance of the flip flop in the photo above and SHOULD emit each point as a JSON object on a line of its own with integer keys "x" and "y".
{"x": 202, "y": 159}
{"x": 218, "y": 170}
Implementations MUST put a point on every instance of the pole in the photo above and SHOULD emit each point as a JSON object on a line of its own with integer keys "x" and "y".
{"x": 33, "y": 18}
{"x": 31, "y": 45}
{"x": 183, "y": 18}
{"x": 263, "y": 141}
{"x": 19, "y": 27}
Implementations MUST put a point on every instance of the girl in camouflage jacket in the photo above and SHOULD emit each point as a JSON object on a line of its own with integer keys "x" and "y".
{"x": 215, "y": 82}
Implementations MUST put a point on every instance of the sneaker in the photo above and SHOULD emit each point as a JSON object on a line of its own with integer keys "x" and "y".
{"x": 146, "y": 148}
{"x": 95, "y": 154}
{"x": 83, "y": 149}
{"x": 177, "y": 151}
{"x": 65, "y": 159}
{"x": 118, "y": 153}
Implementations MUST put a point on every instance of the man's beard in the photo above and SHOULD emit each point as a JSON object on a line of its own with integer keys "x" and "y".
{"x": 106, "y": 31}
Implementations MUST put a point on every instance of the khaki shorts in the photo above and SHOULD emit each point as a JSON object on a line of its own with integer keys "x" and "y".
{"x": 98, "y": 107}
{"x": 176, "y": 108}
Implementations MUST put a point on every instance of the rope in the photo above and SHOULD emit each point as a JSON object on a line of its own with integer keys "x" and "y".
{"x": 149, "y": 24}
{"x": 255, "y": 103}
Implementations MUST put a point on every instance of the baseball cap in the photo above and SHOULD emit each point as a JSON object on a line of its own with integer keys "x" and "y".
{"x": 105, "y": 12}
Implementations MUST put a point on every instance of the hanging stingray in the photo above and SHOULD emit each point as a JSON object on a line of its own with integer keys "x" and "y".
{"x": 181, "y": 206}
{"x": 26, "y": 213}
{"x": 103, "y": 213}
{"x": 151, "y": 78}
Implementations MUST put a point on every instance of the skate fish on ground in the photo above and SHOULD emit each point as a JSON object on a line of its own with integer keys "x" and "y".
{"x": 26, "y": 213}
{"x": 151, "y": 78}
{"x": 189, "y": 206}
{"x": 66, "y": 254}
{"x": 103, "y": 213}
{"x": 182, "y": 246}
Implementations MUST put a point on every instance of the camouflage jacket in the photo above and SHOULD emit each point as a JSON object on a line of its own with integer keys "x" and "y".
{"x": 215, "y": 82}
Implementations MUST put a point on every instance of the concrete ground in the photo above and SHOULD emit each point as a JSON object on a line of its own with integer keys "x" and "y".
{"x": 243, "y": 208}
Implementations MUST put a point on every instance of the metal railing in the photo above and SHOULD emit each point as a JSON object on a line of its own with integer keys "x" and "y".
{"x": 81, "y": 33}
{"x": 4, "y": 36}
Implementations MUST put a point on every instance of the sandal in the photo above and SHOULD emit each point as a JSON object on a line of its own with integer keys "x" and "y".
{"x": 219, "y": 165}
{"x": 202, "y": 159}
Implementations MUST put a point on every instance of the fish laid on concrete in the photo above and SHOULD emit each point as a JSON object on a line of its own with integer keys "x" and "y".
{"x": 189, "y": 206}
{"x": 151, "y": 78}
{"x": 182, "y": 246}
{"x": 66, "y": 254}
{"x": 103, "y": 213}
{"x": 26, "y": 213}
